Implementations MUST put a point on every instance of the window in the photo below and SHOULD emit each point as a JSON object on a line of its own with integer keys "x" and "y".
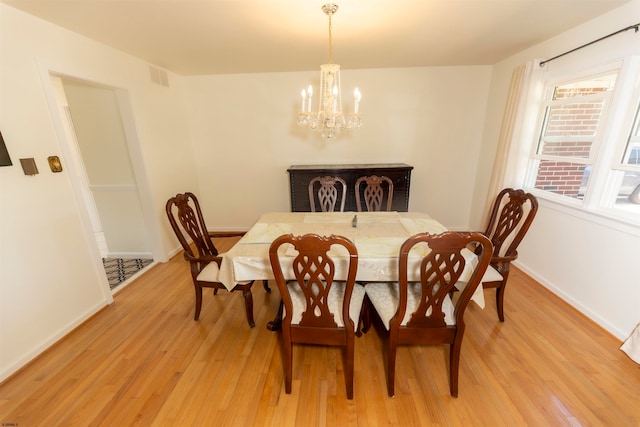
{"x": 572, "y": 117}
{"x": 586, "y": 151}
{"x": 626, "y": 174}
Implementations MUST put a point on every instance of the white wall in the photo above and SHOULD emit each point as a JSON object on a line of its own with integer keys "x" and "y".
{"x": 590, "y": 263}
{"x": 245, "y": 137}
{"x": 51, "y": 276}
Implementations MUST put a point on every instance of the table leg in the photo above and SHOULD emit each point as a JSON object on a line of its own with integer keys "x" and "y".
{"x": 276, "y": 323}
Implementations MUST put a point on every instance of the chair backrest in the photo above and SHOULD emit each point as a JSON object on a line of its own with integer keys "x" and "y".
{"x": 511, "y": 216}
{"x": 373, "y": 193}
{"x": 186, "y": 220}
{"x": 328, "y": 193}
{"x": 314, "y": 270}
{"x": 443, "y": 262}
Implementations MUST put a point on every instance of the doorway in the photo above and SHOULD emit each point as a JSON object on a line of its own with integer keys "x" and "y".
{"x": 106, "y": 177}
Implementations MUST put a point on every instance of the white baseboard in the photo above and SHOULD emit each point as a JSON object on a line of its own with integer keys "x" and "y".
{"x": 39, "y": 349}
{"x": 602, "y": 322}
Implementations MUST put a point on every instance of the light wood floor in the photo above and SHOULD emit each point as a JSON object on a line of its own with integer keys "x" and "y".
{"x": 145, "y": 361}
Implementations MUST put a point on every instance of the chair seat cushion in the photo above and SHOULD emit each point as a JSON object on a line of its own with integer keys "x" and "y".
{"x": 210, "y": 274}
{"x": 336, "y": 294}
{"x": 491, "y": 275}
{"x": 385, "y": 297}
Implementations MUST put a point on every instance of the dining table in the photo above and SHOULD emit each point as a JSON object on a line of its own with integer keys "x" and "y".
{"x": 376, "y": 235}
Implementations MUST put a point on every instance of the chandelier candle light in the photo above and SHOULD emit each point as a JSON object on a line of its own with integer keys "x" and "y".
{"x": 329, "y": 120}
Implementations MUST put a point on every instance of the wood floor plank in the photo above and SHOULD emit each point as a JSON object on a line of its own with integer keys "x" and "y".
{"x": 145, "y": 361}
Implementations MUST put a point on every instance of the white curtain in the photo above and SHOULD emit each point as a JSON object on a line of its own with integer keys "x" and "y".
{"x": 510, "y": 129}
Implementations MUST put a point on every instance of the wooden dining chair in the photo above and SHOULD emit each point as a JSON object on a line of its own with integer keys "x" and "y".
{"x": 511, "y": 216}
{"x": 373, "y": 193}
{"x": 318, "y": 309}
{"x": 330, "y": 190}
{"x": 187, "y": 222}
{"x": 423, "y": 312}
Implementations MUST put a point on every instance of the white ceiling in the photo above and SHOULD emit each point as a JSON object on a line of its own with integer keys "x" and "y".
{"x": 191, "y": 37}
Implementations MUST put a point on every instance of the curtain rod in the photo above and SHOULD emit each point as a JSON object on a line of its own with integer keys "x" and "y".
{"x": 635, "y": 27}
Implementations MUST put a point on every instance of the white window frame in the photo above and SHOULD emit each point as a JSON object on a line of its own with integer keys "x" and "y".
{"x": 626, "y": 128}
{"x": 608, "y": 147}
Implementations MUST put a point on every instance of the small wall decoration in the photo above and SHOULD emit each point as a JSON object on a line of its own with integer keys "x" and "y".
{"x": 5, "y": 160}
{"x": 54, "y": 164}
{"x": 29, "y": 166}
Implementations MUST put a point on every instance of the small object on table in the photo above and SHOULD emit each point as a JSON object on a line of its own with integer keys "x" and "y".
{"x": 354, "y": 221}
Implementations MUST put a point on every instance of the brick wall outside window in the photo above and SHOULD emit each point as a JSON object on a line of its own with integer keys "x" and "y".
{"x": 560, "y": 177}
{"x": 571, "y": 121}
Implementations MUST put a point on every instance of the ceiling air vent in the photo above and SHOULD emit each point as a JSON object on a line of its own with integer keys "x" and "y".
{"x": 159, "y": 76}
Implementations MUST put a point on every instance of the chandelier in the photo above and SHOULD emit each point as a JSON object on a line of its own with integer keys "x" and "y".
{"x": 329, "y": 120}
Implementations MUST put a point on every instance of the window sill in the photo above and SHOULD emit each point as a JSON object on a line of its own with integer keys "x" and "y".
{"x": 610, "y": 218}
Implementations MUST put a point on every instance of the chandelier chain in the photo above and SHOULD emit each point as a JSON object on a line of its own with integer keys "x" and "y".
{"x": 330, "y": 41}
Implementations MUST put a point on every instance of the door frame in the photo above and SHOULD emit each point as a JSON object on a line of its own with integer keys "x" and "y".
{"x": 74, "y": 165}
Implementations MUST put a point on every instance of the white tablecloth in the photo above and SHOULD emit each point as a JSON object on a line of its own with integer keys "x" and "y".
{"x": 377, "y": 236}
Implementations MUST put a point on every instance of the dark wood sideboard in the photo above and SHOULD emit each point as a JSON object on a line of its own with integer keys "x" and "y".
{"x": 301, "y": 175}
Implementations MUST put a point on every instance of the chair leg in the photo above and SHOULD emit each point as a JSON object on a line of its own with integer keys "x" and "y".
{"x": 265, "y": 284}
{"x": 500, "y": 301}
{"x": 500, "y": 291}
{"x": 276, "y": 323}
{"x": 198, "y": 301}
{"x": 365, "y": 318}
{"x": 248, "y": 305}
{"x": 391, "y": 365}
{"x": 454, "y": 363}
{"x": 348, "y": 371}
{"x": 288, "y": 362}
